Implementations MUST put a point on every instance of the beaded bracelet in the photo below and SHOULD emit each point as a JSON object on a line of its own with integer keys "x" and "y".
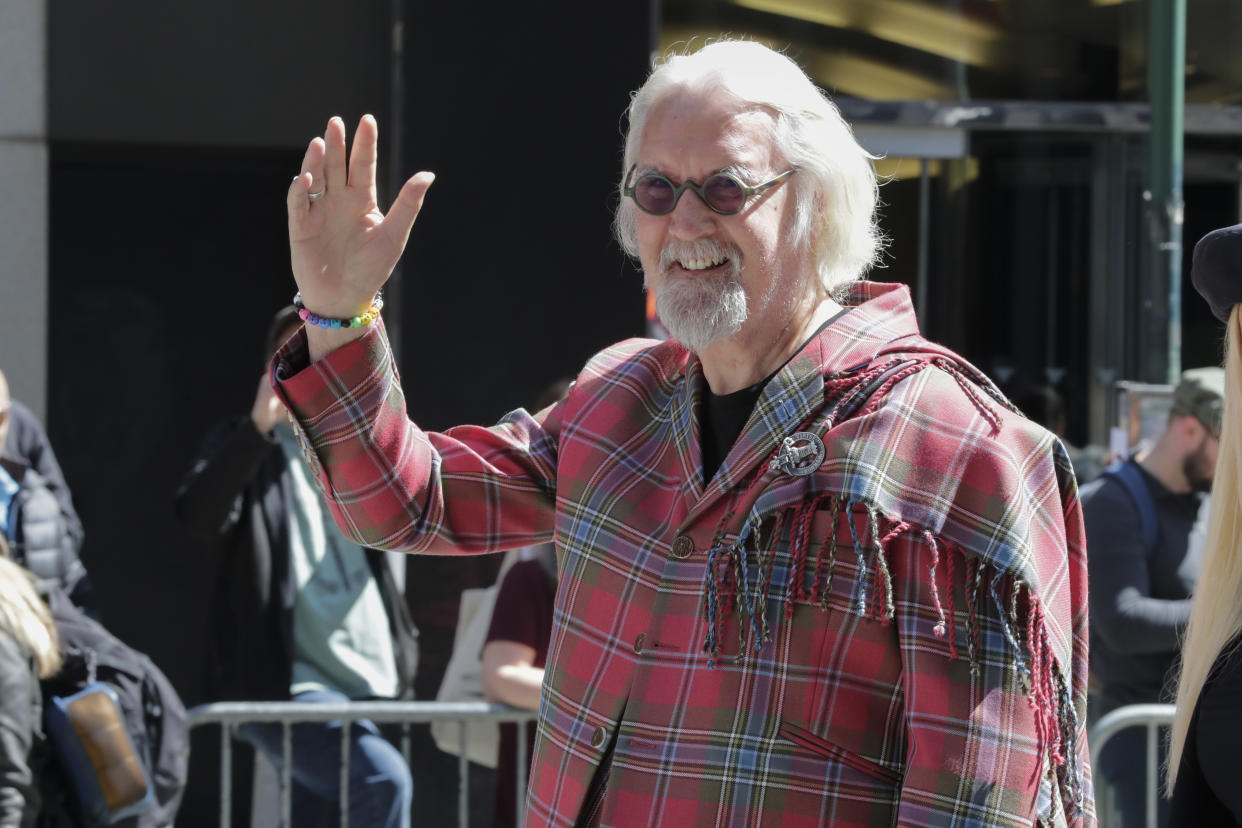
{"x": 368, "y": 316}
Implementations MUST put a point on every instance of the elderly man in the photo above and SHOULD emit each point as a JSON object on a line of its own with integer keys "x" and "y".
{"x": 813, "y": 568}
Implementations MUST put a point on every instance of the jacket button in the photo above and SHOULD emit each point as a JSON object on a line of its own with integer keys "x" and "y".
{"x": 683, "y": 547}
{"x": 639, "y": 642}
{"x": 598, "y": 737}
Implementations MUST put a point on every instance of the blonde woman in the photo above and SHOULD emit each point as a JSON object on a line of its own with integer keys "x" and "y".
{"x": 29, "y": 651}
{"x": 1204, "y": 775}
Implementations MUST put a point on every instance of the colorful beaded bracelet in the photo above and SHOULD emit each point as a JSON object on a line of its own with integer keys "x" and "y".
{"x": 368, "y": 316}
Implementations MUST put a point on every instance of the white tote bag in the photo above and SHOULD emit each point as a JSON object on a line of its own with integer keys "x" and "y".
{"x": 463, "y": 679}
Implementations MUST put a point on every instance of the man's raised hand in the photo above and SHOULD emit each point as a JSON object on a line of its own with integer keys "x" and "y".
{"x": 342, "y": 247}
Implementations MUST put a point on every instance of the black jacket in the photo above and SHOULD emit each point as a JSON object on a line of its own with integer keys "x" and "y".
{"x": 27, "y": 442}
{"x": 1207, "y": 791}
{"x": 40, "y": 535}
{"x": 20, "y": 732}
{"x": 236, "y": 496}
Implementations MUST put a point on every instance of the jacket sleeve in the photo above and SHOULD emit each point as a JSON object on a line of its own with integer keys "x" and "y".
{"x": 209, "y": 497}
{"x": 17, "y": 705}
{"x": 393, "y": 486}
{"x": 1123, "y": 611}
{"x": 29, "y": 442}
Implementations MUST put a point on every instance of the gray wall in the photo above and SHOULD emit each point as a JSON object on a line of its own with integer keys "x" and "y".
{"x": 23, "y": 200}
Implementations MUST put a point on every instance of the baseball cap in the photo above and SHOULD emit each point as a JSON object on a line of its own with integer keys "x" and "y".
{"x": 1216, "y": 269}
{"x": 1201, "y": 393}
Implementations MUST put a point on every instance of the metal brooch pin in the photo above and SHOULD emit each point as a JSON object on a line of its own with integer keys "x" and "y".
{"x": 800, "y": 454}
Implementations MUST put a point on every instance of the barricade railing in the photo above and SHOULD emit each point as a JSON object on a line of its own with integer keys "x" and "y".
{"x": 1149, "y": 716}
{"x": 288, "y": 713}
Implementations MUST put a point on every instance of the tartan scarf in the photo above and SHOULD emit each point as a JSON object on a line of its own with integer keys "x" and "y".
{"x": 991, "y": 538}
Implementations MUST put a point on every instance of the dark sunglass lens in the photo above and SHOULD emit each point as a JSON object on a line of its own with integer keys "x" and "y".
{"x": 654, "y": 193}
{"x": 724, "y": 193}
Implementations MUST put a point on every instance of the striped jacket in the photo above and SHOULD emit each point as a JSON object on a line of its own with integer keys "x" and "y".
{"x": 874, "y": 614}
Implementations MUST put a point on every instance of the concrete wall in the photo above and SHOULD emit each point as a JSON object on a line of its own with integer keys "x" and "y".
{"x": 23, "y": 200}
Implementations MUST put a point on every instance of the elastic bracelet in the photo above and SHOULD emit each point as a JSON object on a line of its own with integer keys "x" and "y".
{"x": 368, "y": 316}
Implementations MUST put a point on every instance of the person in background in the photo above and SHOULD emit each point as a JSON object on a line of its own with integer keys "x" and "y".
{"x": 513, "y": 659}
{"x": 516, "y": 648}
{"x": 1203, "y": 775}
{"x": 1146, "y": 521}
{"x": 300, "y": 611}
{"x": 29, "y": 650}
{"x": 36, "y": 509}
{"x": 22, "y": 437}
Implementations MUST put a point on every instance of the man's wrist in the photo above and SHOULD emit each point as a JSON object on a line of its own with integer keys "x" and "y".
{"x": 349, "y": 315}
{"x": 322, "y": 341}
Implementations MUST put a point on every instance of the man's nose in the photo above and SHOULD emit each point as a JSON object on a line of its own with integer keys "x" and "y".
{"x": 691, "y": 218}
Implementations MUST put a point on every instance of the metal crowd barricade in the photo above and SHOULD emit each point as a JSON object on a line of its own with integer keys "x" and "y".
{"x": 1150, "y": 716}
{"x": 230, "y": 714}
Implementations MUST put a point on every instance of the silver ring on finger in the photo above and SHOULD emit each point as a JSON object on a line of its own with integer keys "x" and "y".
{"x": 316, "y": 196}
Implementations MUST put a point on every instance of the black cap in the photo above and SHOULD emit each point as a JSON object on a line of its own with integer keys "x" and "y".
{"x": 1216, "y": 269}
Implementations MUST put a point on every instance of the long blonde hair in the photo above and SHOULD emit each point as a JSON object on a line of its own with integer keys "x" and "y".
{"x": 25, "y": 617}
{"x": 1216, "y": 612}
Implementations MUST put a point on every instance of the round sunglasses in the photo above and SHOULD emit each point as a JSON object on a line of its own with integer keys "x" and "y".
{"x": 723, "y": 192}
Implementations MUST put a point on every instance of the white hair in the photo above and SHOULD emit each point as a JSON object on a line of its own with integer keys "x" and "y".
{"x": 835, "y": 189}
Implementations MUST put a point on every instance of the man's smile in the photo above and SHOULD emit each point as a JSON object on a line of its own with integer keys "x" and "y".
{"x": 702, "y": 263}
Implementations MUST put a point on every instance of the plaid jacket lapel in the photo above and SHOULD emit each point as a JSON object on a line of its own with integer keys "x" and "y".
{"x": 687, "y": 431}
{"x": 790, "y": 400}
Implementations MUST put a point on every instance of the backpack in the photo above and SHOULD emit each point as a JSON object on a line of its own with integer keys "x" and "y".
{"x": 1131, "y": 479}
{"x": 98, "y": 666}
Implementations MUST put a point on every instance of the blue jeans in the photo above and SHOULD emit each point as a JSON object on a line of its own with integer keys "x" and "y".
{"x": 380, "y": 786}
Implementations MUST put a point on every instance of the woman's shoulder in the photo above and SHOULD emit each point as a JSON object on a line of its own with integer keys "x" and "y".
{"x": 1226, "y": 672}
{"x": 1211, "y": 745}
{"x": 11, "y": 650}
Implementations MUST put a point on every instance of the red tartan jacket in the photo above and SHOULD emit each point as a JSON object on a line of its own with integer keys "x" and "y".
{"x": 879, "y": 621}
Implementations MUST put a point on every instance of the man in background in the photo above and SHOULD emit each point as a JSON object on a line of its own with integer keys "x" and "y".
{"x": 1146, "y": 519}
{"x": 36, "y": 508}
{"x": 300, "y": 611}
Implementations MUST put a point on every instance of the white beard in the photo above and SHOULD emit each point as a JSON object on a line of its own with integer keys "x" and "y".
{"x": 700, "y": 310}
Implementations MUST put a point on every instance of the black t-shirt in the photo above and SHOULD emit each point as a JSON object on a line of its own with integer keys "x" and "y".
{"x": 724, "y": 415}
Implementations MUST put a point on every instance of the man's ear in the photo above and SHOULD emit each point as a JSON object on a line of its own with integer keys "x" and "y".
{"x": 1189, "y": 429}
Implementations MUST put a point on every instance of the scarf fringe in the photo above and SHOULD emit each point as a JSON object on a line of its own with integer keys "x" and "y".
{"x": 857, "y": 387}
{"x": 939, "y": 629}
{"x": 873, "y": 385}
{"x": 969, "y": 384}
{"x": 733, "y": 587}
